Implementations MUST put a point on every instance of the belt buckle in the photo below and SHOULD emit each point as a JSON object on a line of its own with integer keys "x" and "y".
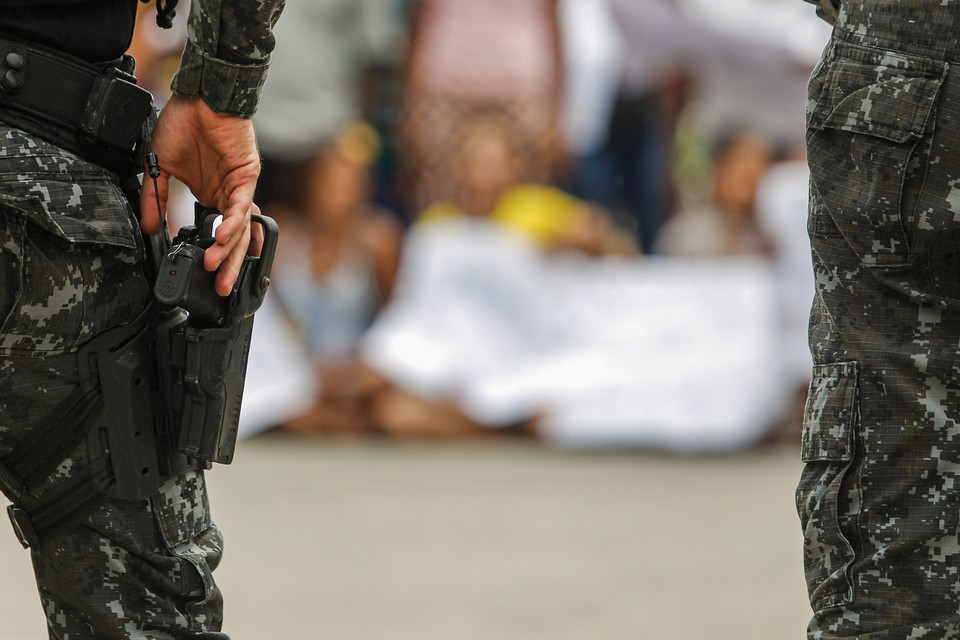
{"x": 22, "y": 527}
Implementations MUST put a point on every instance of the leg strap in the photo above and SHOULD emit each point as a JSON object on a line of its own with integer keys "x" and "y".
{"x": 38, "y": 455}
{"x": 118, "y": 411}
{"x": 63, "y": 506}
{"x": 50, "y": 442}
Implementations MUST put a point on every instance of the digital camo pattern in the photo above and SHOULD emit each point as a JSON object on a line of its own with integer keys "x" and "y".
{"x": 71, "y": 268}
{"x": 68, "y": 271}
{"x": 225, "y": 62}
{"x": 879, "y": 496}
{"x": 136, "y": 570}
{"x": 57, "y": 205}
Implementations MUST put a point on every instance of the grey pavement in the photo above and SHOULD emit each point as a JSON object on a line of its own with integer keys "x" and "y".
{"x": 492, "y": 540}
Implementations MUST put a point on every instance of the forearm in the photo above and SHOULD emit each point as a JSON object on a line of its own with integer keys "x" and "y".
{"x": 228, "y": 49}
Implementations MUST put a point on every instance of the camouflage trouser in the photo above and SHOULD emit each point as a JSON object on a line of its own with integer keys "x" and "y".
{"x": 70, "y": 268}
{"x": 879, "y": 497}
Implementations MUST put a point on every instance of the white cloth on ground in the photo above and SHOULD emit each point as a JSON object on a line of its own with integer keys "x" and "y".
{"x": 661, "y": 353}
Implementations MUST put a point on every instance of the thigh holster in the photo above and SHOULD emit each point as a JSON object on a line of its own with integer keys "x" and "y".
{"x": 157, "y": 396}
{"x": 114, "y": 420}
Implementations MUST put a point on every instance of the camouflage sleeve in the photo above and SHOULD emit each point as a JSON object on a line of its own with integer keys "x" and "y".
{"x": 227, "y": 53}
{"x": 827, "y": 9}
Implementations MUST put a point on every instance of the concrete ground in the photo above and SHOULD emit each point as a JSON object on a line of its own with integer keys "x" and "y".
{"x": 493, "y": 540}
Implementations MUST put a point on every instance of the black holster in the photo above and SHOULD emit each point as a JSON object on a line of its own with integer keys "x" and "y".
{"x": 206, "y": 372}
{"x": 205, "y": 343}
{"x": 131, "y": 429}
{"x": 157, "y": 396}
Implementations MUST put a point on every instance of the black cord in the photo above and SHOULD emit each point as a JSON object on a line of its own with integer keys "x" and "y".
{"x": 166, "y": 13}
{"x": 153, "y": 170}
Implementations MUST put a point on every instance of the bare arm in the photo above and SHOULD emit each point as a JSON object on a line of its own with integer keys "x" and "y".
{"x": 204, "y": 136}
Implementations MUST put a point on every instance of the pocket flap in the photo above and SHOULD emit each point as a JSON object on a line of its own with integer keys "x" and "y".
{"x": 831, "y": 414}
{"x": 880, "y": 93}
{"x": 88, "y": 213}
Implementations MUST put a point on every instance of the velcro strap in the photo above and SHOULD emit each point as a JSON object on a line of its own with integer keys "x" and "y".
{"x": 64, "y": 505}
{"x": 51, "y": 440}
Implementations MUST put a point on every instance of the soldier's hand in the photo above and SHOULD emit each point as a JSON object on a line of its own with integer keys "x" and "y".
{"x": 216, "y": 157}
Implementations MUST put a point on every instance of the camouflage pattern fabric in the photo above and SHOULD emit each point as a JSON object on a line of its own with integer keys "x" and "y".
{"x": 879, "y": 496}
{"x": 70, "y": 268}
{"x": 227, "y": 54}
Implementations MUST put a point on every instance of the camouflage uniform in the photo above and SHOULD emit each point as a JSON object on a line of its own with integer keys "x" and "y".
{"x": 879, "y": 497}
{"x": 71, "y": 267}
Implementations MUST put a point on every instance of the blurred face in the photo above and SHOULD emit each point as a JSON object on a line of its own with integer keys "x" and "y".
{"x": 487, "y": 167}
{"x": 738, "y": 173}
{"x": 337, "y": 189}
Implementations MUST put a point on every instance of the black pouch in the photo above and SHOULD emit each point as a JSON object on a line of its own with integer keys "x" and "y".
{"x": 116, "y": 110}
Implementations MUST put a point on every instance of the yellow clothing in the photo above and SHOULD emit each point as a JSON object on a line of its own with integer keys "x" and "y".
{"x": 543, "y": 214}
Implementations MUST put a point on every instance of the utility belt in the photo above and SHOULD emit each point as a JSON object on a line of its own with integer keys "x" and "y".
{"x": 160, "y": 394}
{"x": 94, "y": 111}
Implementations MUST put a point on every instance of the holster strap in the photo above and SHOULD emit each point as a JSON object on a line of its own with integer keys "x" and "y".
{"x": 38, "y": 455}
{"x": 50, "y": 442}
{"x": 63, "y": 505}
{"x": 115, "y": 412}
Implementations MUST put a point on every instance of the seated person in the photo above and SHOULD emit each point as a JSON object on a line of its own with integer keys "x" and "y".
{"x": 487, "y": 171}
{"x": 729, "y": 227}
{"x": 335, "y": 268}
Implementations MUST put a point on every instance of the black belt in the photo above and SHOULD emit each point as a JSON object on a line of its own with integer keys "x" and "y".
{"x": 94, "y": 111}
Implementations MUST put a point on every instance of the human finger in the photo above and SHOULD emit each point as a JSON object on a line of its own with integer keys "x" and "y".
{"x": 226, "y": 255}
{"x": 229, "y": 268}
{"x": 233, "y": 225}
{"x": 256, "y": 236}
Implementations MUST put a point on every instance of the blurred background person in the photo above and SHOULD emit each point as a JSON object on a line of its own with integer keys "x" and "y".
{"x": 335, "y": 268}
{"x": 338, "y": 252}
{"x": 592, "y": 59}
{"x": 729, "y": 225}
{"x": 510, "y": 226}
{"x": 325, "y": 54}
{"x": 466, "y": 56}
{"x": 626, "y": 164}
{"x": 493, "y": 201}
{"x": 781, "y": 210}
{"x": 489, "y": 183}
{"x": 752, "y": 64}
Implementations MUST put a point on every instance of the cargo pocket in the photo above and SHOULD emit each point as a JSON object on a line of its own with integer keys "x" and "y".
{"x": 182, "y": 514}
{"x": 828, "y": 496}
{"x": 181, "y": 508}
{"x": 78, "y": 266}
{"x": 870, "y": 117}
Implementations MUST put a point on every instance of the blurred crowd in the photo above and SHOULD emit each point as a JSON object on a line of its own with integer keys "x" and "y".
{"x": 575, "y": 220}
